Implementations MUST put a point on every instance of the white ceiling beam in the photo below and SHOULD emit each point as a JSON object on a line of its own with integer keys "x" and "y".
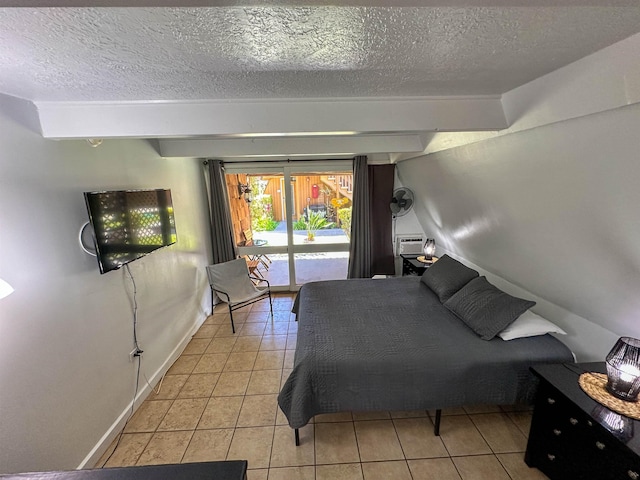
{"x": 290, "y": 146}
{"x": 65, "y": 120}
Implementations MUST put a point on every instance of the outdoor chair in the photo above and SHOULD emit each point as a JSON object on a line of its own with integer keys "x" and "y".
{"x": 233, "y": 284}
{"x": 252, "y": 265}
{"x": 249, "y": 242}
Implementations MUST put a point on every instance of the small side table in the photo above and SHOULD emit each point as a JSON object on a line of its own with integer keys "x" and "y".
{"x": 411, "y": 265}
{"x": 573, "y": 436}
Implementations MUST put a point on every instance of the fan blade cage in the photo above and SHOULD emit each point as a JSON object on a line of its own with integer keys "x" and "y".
{"x": 401, "y": 202}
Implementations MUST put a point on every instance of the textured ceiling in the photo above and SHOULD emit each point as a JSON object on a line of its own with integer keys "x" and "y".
{"x": 111, "y": 54}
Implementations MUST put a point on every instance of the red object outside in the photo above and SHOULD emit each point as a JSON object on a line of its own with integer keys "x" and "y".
{"x": 315, "y": 191}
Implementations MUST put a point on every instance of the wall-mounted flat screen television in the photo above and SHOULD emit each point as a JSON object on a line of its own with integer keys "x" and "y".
{"x": 129, "y": 224}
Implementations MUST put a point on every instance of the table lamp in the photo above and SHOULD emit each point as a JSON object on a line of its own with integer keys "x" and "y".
{"x": 429, "y": 248}
{"x": 623, "y": 369}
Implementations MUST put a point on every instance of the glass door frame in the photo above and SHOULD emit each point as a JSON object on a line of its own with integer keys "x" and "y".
{"x": 289, "y": 169}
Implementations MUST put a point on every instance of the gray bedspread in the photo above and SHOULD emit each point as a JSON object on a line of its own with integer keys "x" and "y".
{"x": 389, "y": 344}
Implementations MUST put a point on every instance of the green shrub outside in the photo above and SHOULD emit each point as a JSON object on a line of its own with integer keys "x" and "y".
{"x": 317, "y": 221}
{"x": 262, "y": 214}
{"x": 300, "y": 224}
{"x": 344, "y": 215}
{"x": 264, "y": 225}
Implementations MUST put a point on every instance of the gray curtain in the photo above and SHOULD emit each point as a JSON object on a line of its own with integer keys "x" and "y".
{"x": 222, "y": 241}
{"x": 360, "y": 248}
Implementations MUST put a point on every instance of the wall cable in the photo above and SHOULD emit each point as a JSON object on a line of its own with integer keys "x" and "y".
{"x": 138, "y": 355}
{"x": 155, "y": 390}
{"x": 393, "y": 235}
{"x": 135, "y": 311}
{"x": 133, "y": 404}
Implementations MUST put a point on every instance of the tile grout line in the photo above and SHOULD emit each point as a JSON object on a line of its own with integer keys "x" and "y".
{"x": 485, "y": 439}
{"x": 505, "y": 468}
{"x": 444, "y": 444}
{"x": 404, "y": 455}
{"x": 355, "y": 434}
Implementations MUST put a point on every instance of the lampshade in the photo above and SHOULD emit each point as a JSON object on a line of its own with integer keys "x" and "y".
{"x": 5, "y": 289}
{"x": 623, "y": 369}
{"x": 429, "y": 248}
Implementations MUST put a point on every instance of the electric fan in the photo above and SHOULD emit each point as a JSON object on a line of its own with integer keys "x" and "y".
{"x": 401, "y": 202}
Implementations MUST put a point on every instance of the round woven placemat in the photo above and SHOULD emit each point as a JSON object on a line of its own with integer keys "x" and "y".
{"x": 594, "y": 385}
{"x": 423, "y": 259}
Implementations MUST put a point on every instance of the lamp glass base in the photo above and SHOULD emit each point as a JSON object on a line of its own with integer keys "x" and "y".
{"x": 622, "y": 395}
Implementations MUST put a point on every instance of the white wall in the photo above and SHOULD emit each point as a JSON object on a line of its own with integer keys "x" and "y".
{"x": 407, "y": 224}
{"x": 551, "y": 208}
{"x": 66, "y": 332}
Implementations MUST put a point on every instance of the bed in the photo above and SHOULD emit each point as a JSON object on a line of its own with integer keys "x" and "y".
{"x": 391, "y": 344}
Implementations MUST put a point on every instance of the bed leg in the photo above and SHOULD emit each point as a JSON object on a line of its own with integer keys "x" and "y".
{"x": 436, "y": 426}
{"x": 297, "y": 434}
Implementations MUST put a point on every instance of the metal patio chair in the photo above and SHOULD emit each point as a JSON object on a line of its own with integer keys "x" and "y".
{"x": 233, "y": 284}
{"x": 260, "y": 257}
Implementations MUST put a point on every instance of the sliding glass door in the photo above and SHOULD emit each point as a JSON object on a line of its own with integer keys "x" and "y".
{"x": 292, "y": 221}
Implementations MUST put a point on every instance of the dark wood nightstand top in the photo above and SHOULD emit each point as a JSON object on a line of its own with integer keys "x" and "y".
{"x": 412, "y": 266}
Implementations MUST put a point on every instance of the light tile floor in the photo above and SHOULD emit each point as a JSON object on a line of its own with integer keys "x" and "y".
{"x": 219, "y": 401}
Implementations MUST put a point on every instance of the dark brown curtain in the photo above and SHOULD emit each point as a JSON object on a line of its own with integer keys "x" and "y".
{"x": 380, "y": 195}
{"x": 371, "y": 251}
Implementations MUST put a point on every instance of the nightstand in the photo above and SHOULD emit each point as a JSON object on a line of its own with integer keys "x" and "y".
{"x": 573, "y": 436}
{"x": 411, "y": 265}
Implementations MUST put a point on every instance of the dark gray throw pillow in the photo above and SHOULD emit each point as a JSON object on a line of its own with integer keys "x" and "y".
{"x": 446, "y": 276}
{"x": 485, "y": 308}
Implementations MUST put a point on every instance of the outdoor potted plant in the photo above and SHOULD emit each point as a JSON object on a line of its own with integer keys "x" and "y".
{"x": 316, "y": 221}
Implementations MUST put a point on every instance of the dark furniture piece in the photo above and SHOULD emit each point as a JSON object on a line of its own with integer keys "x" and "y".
{"x": 411, "y": 266}
{"x": 389, "y": 344}
{"x": 229, "y": 470}
{"x": 573, "y": 436}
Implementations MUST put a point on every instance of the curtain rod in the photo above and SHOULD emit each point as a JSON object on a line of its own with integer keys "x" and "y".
{"x": 288, "y": 160}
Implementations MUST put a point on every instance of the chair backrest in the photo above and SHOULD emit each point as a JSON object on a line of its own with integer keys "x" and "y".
{"x": 232, "y": 278}
{"x": 248, "y": 237}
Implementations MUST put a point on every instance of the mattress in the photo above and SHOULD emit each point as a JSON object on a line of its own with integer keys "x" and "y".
{"x": 389, "y": 344}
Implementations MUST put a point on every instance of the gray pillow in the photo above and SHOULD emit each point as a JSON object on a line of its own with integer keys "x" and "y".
{"x": 486, "y": 309}
{"x": 446, "y": 276}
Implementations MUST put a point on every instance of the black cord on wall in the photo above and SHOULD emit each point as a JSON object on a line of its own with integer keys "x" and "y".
{"x": 135, "y": 313}
{"x": 138, "y": 355}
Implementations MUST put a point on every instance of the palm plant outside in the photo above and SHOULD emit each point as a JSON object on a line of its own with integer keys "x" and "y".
{"x": 316, "y": 221}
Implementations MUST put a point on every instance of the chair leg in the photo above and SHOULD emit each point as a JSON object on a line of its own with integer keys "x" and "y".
{"x": 262, "y": 260}
{"x": 270, "y": 304}
{"x": 297, "y": 434}
{"x": 436, "y": 426}
{"x": 212, "y": 301}
{"x": 233, "y": 328}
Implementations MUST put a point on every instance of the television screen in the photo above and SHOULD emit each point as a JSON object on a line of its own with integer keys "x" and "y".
{"x": 128, "y": 224}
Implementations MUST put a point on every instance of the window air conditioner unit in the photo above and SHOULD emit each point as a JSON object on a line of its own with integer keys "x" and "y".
{"x": 409, "y": 244}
